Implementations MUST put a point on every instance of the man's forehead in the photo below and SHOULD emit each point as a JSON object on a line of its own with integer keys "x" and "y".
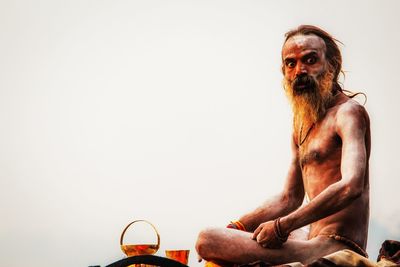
{"x": 299, "y": 43}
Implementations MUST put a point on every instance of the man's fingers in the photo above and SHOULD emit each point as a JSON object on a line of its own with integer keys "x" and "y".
{"x": 256, "y": 232}
{"x": 260, "y": 238}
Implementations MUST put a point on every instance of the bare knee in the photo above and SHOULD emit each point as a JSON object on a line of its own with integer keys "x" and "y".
{"x": 205, "y": 243}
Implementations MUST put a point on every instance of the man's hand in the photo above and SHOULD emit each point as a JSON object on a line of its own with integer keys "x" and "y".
{"x": 266, "y": 235}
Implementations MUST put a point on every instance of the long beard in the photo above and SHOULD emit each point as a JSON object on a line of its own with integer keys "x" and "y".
{"x": 309, "y": 104}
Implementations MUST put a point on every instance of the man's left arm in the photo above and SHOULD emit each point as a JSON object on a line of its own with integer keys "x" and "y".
{"x": 351, "y": 127}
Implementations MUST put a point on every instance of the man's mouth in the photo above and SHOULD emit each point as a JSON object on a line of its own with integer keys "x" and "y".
{"x": 303, "y": 83}
{"x": 300, "y": 86}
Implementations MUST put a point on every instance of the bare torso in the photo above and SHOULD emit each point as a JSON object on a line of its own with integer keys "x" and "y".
{"x": 331, "y": 168}
{"x": 320, "y": 157}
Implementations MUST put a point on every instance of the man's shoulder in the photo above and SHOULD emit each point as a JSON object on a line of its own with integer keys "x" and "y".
{"x": 351, "y": 111}
{"x": 351, "y": 107}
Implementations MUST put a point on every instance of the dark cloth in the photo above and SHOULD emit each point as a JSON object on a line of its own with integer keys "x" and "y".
{"x": 322, "y": 263}
{"x": 390, "y": 250}
{"x": 256, "y": 264}
{"x": 261, "y": 264}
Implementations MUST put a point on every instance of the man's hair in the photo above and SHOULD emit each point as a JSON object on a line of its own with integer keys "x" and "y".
{"x": 332, "y": 54}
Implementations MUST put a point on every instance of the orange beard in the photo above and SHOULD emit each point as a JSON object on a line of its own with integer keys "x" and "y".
{"x": 310, "y": 106}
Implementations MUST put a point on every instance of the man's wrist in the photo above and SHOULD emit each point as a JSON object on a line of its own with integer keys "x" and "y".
{"x": 285, "y": 226}
{"x": 279, "y": 234}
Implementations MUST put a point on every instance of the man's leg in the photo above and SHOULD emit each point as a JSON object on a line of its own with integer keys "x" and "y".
{"x": 229, "y": 245}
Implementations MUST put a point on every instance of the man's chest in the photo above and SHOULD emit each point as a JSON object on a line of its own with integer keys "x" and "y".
{"x": 321, "y": 144}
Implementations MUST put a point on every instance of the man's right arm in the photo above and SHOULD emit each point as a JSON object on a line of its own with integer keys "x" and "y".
{"x": 282, "y": 204}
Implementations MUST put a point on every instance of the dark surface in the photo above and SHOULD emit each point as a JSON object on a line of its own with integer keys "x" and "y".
{"x": 147, "y": 259}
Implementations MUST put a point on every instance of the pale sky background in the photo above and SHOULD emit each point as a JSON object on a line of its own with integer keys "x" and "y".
{"x": 170, "y": 111}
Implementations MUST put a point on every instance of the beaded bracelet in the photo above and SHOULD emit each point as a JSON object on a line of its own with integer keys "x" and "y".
{"x": 237, "y": 225}
{"x": 278, "y": 231}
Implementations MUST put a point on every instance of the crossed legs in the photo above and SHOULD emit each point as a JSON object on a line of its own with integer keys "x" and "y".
{"x": 229, "y": 246}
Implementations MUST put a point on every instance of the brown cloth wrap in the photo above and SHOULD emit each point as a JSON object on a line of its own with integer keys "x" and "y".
{"x": 389, "y": 255}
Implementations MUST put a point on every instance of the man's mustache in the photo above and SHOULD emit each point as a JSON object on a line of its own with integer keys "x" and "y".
{"x": 304, "y": 82}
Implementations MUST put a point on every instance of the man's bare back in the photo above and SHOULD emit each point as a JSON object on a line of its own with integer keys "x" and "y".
{"x": 330, "y": 152}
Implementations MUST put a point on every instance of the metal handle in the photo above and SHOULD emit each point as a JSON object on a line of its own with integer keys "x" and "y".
{"x": 121, "y": 241}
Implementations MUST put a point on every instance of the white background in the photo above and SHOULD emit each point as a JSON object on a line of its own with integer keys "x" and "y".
{"x": 170, "y": 111}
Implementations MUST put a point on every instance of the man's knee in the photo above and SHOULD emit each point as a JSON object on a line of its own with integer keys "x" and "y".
{"x": 205, "y": 243}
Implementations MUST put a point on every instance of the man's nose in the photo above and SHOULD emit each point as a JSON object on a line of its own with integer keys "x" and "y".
{"x": 300, "y": 69}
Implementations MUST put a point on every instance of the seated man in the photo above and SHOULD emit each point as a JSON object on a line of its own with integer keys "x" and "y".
{"x": 330, "y": 148}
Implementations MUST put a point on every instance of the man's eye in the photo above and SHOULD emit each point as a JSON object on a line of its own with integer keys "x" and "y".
{"x": 311, "y": 60}
{"x": 290, "y": 64}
